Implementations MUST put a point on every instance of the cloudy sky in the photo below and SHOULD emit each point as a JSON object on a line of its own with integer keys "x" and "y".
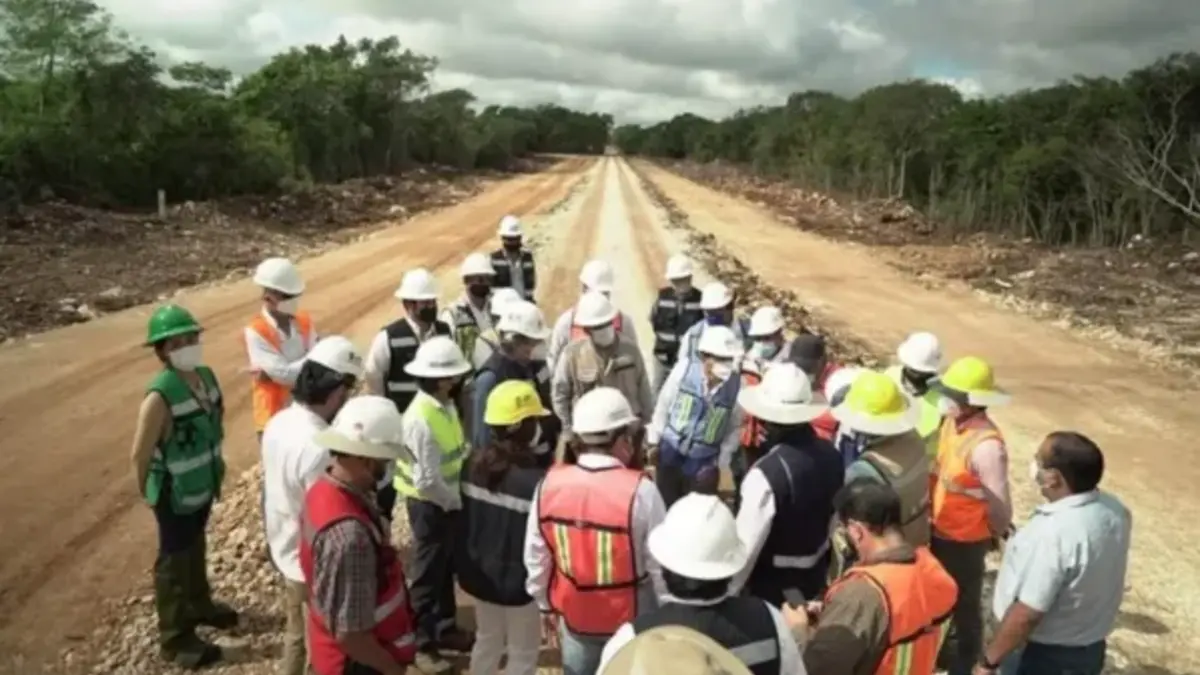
{"x": 650, "y": 59}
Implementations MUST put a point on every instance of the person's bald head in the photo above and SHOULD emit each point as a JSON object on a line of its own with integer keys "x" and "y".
{"x": 1069, "y": 463}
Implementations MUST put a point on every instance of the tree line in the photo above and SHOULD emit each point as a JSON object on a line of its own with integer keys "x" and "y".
{"x": 1090, "y": 161}
{"x": 90, "y": 115}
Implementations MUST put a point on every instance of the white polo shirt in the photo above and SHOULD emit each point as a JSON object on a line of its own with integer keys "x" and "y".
{"x": 291, "y": 463}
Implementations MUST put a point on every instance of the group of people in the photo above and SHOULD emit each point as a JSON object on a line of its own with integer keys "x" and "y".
{"x": 806, "y": 516}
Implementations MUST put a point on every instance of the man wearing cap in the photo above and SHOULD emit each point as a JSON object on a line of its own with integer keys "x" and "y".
{"x": 920, "y": 359}
{"x": 291, "y": 462}
{"x": 179, "y": 469}
{"x": 675, "y": 311}
{"x": 698, "y": 548}
{"x": 971, "y": 503}
{"x": 882, "y": 420}
{"x": 395, "y": 346}
{"x": 596, "y": 276}
{"x": 787, "y": 496}
{"x": 522, "y": 331}
{"x": 717, "y": 303}
{"x": 768, "y": 345}
{"x": 359, "y": 618}
{"x": 276, "y": 339}
{"x": 428, "y": 478}
{"x": 585, "y": 544}
{"x": 603, "y": 359}
{"x": 697, "y": 423}
{"x": 513, "y": 262}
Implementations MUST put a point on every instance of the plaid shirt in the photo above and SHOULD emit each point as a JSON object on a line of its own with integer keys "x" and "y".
{"x": 345, "y": 576}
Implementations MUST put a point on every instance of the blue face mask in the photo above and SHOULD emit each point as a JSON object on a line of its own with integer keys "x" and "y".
{"x": 715, "y": 319}
{"x": 765, "y": 350}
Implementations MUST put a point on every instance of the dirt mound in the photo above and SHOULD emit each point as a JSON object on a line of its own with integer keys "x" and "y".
{"x": 66, "y": 264}
{"x": 1145, "y": 295}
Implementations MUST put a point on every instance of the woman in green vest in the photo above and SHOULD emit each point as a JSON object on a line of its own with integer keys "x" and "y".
{"x": 178, "y": 464}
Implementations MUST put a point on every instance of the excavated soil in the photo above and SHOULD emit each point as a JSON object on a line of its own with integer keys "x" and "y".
{"x": 1145, "y": 296}
{"x": 66, "y": 264}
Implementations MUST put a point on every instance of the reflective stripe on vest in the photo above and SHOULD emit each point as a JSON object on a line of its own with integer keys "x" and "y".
{"x": 447, "y": 432}
{"x": 268, "y": 396}
{"x": 191, "y": 455}
{"x": 497, "y": 498}
{"x": 466, "y": 329}
{"x": 579, "y": 332}
{"x": 327, "y": 503}
{"x": 960, "y": 511}
{"x": 696, "y": 425}
{"x": 586, "y": 520}
{"x": 919, "y": 598}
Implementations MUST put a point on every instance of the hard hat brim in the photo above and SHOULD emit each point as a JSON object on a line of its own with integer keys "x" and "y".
{"x": 753, "y": 400}
{"x": 673, "y": 644}
{"x": 667, "y": 551}
{"x": 673, "y": 276}
{"x": 331, "y": 439}
{"x": 170, "y": 333}
{"x": 532, "y": 335}
{"x": 981, "y": 398}
{"x": 415, "y": 297}
{"x": 420, "y": 370}
{"x": 497, "y": 422}
{"x": 881, "y": 425}
{"x": 297, "y": 289}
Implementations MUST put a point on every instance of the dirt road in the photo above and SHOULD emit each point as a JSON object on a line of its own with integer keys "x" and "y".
{"x": 73, "y": 533}
{"x": 1144, "y": 419}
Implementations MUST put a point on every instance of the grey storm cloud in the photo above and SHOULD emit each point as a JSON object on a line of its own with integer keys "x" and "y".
{"x": 643, "y": 60}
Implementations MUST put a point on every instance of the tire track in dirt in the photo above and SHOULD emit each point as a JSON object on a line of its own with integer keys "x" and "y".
{"x": 101, "y": 482}
{"x": 563, "y": 286}
{"x": 646, "y": 240}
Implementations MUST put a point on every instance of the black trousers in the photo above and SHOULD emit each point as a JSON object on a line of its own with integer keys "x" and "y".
{"x": 431, "y": 577}
{"x": 177, "y": 533}
{"x": 966, "y": 563}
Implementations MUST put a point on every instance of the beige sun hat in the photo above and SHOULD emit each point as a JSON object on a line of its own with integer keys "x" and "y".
{"x": 673, "y": 650}
{"x": 367, "y": 426}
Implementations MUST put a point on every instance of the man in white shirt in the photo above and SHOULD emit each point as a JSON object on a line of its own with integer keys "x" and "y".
{"x": 291, "y": 461}
{"x": 594, "y": 517}
{"x": 698, "y": 548}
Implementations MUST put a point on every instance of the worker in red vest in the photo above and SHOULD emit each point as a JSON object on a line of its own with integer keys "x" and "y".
{"x": 585, "y": 544}
{"x": 359, "y": 617}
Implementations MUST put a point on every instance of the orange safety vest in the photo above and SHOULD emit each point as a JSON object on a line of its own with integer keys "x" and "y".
{"x": 268, "y": 396}
{"x": 752, "y": 427}
{"x": 960, "y": 510}
{"x": 586, "y": 519}
{"x": 578, "y": 331}
{"x": 919, "y": 598}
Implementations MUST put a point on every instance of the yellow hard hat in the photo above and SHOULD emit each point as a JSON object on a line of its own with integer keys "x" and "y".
{"x": 973, "y": 378}
{"x": 875, "y": 404}
{"x": 511, "y": 402}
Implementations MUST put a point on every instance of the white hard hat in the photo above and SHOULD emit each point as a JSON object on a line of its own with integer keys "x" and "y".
{"x": 601, "y": 410}
{"x": 367, "y": 426}
{"x": 510, "y": 227}
{"x": 279, "y": 274}
{"x": 715, "y": 296}
{"x": 698, "y": 539}
{"x": 721, "y": 342}
{"x": 418, "y": 284}
{"x": 841, "y": 379}
{"x": 594, "y": 309}
{"x": 679, "y": 266}
{"x": 784, "y": 396}
{"x": 501, "y": 297}
{"x": 597, "y": 275}
{"x": 477, "y": 265}
{"x": 523, "y": 318}
{"x": 921, "y": 352}
{"x": 439, "y": 356}
{"x": 337, "y": 354}
{"x": 765, "y": 321}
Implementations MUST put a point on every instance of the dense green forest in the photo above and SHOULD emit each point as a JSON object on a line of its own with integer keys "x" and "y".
{"x": 1092, "y": 161}
{"x": 89, "y": 115}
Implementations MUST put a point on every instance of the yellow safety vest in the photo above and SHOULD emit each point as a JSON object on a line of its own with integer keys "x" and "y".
{"x": 931, "y": 414}
{"x": 447, "y": 432}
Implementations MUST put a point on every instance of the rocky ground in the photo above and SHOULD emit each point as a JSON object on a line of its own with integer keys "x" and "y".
{"x": 1146, "y": 295}
{"x": 66, "y": 264}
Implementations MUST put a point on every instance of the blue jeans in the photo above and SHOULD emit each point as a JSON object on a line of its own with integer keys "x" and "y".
{"x": 1040, "y": 659}
{"x": 580, "y": 653}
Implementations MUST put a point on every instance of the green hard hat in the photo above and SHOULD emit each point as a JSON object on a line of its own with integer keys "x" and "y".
{"x": 168, "y": 321}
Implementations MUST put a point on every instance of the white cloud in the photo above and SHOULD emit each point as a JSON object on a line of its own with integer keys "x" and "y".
{"x": 643, "y": 60}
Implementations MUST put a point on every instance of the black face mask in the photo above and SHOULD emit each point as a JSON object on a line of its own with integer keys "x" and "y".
{"x": 919, "y": 381}
{"x": 512, "y": 246}
{"x": 427, "y": 314}
{"x": 479, "y": 290}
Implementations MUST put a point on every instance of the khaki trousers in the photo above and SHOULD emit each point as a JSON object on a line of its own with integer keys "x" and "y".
{"x": 295, "y": 651}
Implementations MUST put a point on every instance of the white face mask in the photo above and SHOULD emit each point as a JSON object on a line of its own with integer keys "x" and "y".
{"x": 722, "y": 371}
{"x": 186, "y": 358}
{"x": 289, "y": 306}
{"x": 764, "y": 350}
{"x": 604, "y": 336}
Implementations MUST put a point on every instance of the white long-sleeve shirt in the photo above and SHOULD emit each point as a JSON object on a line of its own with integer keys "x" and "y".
{"x": 281, "y": 365}
{"x": 662, "y": 410}
{"x": 291, "y": 462}
{"x": 426, "y": 468}
{"x": 648, "y": 512}
{"x": 790, "y": 662}
{"x": 560, "y": 335}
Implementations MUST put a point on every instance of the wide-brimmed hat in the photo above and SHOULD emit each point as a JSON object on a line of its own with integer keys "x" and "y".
{"x": 698, "y": 539}
{"x": 876, "y": 404}
{"x": 673, "y": 650}
{"x": 972, "y": 378}
{"x": 367, "y": 426}
{"x": 784, "y": 396}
